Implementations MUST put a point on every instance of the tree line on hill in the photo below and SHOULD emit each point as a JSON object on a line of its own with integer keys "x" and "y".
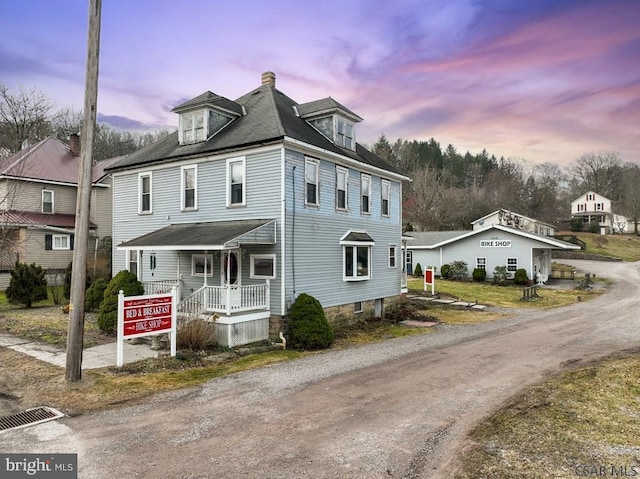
{"x": 448, "y": 189}
{"x": 28, "y": 116}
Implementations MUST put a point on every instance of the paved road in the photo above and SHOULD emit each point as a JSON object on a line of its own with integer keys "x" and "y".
{"x": 395, "y": 409}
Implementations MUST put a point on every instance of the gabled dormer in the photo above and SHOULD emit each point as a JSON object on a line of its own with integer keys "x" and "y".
{"x": 204, "y": 116}
{"x": 333, "y": 120}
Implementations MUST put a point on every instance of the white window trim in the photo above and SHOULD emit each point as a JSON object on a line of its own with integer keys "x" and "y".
{"x": 336, "y": 119}
{"x": 253, "y": 257}
{"x": 193, "y": 114}
{"x": 53, "y": 195}
{"x": 140, "y": 178}
{"x": 67, "y": 239}
{"x": 358, "y": 307}
{"x": 183, "y": 186}
{"x": 209, "y": 269}
{"x": 137, "y": 262}
{"x": 395, "y": 256}
{"x": 355, "y": 245}
{"x": 240, "y": 159}
{"x": 362, "y": 178}
{"x": 342, "y": 169}
{"x": 317, "y": 181}
{"x": 388, "y": 198}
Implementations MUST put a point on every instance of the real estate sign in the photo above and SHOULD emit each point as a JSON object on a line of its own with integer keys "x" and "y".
{"x": 148, "y": 315}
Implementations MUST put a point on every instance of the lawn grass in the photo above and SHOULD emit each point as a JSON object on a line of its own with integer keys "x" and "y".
{"x": 580, "y": 420}
{"x": 502, "y": 296}
{"x": 624, "y": 247}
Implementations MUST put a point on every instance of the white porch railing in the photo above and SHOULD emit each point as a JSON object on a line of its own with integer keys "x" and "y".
{"x": 161, "y": 286}
{"x": 227, "y": 299}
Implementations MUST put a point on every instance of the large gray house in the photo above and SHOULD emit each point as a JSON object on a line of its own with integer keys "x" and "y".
{"x": 254, "y": 201}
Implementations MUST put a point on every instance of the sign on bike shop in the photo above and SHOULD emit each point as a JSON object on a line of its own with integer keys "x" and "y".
{"x": 148, "y": 315}
{"x": 495, "y": 243}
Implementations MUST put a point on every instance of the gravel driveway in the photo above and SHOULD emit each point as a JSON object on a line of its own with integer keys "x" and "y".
{"x": 400, "y": 408}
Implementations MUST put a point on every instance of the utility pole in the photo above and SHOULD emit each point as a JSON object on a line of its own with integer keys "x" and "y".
{"x": 75, "y": 333}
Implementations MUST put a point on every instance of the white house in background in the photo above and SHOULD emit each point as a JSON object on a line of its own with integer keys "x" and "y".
{"x": 592, "y": 207}
{"x": 514, "y": 220}
{"x": 487, "y": 247}
{"x": 254, "y": 201}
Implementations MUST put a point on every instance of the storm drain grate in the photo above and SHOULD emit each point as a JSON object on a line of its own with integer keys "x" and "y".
{"x": 29, "y": 417}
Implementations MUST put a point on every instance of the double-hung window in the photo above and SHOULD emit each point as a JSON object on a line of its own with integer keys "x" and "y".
{"x": 236, "y": 182}
{"x": 201, "y": 263}
{"x": 132, "y": 261}
{"x": 356, "y": 252}
{"x": 512, "y": 265}
{"x": 311, "y": 182}
{"x": 47, "y": 201}
{"x": 189, "y": 200}
{"x": 342, "y": 176}
{"x": 386, "y": 195}
{"x": 144, "y": 193}
{"x": 392, "y": 256}
{"x": 365, "y": 194}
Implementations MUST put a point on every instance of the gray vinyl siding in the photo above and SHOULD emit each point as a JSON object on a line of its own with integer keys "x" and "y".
{"x": 34, "y": 250}
{"x": 314, "y": 256}
{"x": 102, "y": 209}
{"x": 263, "y": 201}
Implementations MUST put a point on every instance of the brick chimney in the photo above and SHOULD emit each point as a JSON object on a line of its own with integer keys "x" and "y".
{"x": 269, "y": 78}
{"x": 74, "y": 144}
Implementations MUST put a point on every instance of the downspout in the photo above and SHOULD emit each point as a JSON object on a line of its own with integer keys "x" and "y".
{"x": 293, "y": 234}
{"x": 283, "y": 234}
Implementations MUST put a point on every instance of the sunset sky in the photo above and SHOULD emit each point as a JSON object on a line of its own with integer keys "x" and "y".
{"x": 543, "y": 80}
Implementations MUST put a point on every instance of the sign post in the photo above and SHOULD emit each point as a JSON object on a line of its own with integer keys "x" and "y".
{"x": 430, "y": 279}
{"x": 148, "y": 315}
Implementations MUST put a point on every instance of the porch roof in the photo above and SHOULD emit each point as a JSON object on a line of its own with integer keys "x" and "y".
{"x": 215, "y": 235}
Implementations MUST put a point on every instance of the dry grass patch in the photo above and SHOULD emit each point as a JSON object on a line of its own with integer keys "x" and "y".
{"x": 466, "y": 316}
{"x": 585, "y": 417}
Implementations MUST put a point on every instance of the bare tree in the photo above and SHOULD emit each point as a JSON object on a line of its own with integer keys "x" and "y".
{"x": 23, "y": 117}
{"x": 600, "y": 173}
{"x": 631, "y": 194}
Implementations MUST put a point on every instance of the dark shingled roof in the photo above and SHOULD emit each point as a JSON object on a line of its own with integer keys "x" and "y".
{"x": 211, "y": 235}
{"x": 209, "y": 98}
{"x": 270, "y": 116}
{"x": 30, "y": 218}
{"x": 324, "y": 105}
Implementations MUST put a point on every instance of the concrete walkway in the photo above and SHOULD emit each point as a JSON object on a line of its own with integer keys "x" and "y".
{"x": 92, "y": 358}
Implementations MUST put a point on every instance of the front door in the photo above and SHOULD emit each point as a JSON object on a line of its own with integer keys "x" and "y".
{"x": 231, "y": 273}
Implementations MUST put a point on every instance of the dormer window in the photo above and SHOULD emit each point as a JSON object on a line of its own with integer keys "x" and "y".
{"x": 193, "y": 127}
{"x": 332, "y": 120}
{"x": 344, "y": 134}
{"x": 204, "y": 116}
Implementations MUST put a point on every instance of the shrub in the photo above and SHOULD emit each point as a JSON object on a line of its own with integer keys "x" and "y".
{"x": 521, "y": 277}
{"x": 417, "y": 271}
{"x": 95, "y": 294}
{"x": 445, "y": 269}
{"x": 195, "y": 334}
{"x": 129, "y": 284}
{"x": 479, "y": 274}
{"x": 28, "y": 284}
{"x": 458, "y": 270}
{"x": 576, "y": 224}
{"x": 308, "y": 325}
{"x": 500, "y": 274}
{"x": 594, "y": 227}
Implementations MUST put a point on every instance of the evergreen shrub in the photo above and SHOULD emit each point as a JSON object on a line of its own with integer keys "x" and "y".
{"x": 417, "y": 271}
{"x": 445, "y": 269}
{"x": 129, "y": 284}
{"x": 521, "y": 277}
{"x": 479, "y": 274}
{"x": 94, "y": 295}
{"x": 27, "y": 285}
{"x": 308, "y": 325}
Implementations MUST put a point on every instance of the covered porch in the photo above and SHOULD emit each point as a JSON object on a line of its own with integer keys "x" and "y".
{"x": 222, "y": 271}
